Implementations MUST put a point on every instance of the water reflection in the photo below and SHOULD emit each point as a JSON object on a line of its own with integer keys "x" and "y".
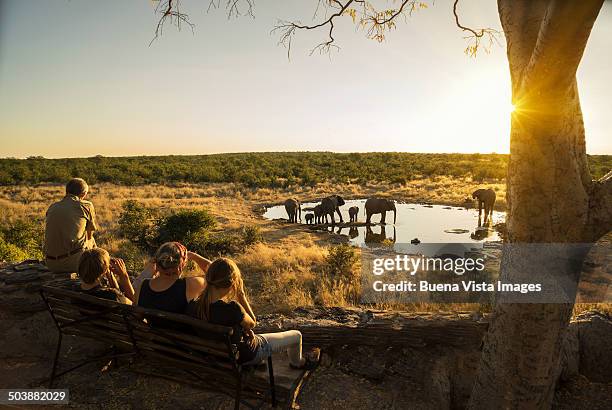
{"x": 381, "y": 236}
{"x": 482, "y": 233}
{"x": 428, "y": 223}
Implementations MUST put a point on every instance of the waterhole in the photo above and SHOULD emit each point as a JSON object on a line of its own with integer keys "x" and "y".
{"x": 415, "y": 223}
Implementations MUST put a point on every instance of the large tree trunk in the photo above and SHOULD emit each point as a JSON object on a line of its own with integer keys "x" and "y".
{"x": 551, "y": 197}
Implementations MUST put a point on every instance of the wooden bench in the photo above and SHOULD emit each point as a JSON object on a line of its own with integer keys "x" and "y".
{"x": 210, "y": 359}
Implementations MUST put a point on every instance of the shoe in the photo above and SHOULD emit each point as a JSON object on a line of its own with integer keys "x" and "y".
{"x": 313, "y": 356}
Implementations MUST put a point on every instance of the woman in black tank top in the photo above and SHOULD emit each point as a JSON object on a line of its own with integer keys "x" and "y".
{"x": 173, "y": 299}
{"x": 161, "y": 286}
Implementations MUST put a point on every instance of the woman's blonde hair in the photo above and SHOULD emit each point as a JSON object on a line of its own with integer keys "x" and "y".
{"x": 222, "y": 273}
{"x": 93, "y": 264}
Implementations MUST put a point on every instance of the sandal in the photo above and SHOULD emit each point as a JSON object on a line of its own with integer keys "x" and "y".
{"x": 313, "y": 356}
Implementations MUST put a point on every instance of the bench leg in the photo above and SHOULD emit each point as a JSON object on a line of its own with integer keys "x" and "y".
{"x": 238, "y": 391}
{"x": 55, "y": 360}
{"x": 271, "y": 376}
{"x": 114, "y": 360}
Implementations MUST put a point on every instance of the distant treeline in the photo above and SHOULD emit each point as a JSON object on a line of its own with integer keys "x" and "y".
{"x": 266, "y": 169}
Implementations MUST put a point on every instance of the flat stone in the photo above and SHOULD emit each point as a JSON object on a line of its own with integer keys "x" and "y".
{"x": 28, "y": 265}
{"x": 23, "y": 277}
{"x": 594, "y": 335}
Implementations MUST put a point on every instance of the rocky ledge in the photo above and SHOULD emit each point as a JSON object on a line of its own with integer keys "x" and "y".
{"x": 372, "y": 359}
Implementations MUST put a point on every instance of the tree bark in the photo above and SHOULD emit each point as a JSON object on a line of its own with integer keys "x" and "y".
{"x": 551, "y": 197}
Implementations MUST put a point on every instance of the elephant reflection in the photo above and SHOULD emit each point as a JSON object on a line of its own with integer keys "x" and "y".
{"x": 371, "y": 237}
{"x": 481, "y": 233}
{"x": 331, "y": 228}
{"x": 353, "y": 232}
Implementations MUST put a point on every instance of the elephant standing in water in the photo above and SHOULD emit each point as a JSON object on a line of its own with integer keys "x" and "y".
{"x": 485, "y": 197}
{"x": 318, "y": 214}
{"x": 293, "y": 208}
{"x": 353, "y": 211}
{"x": 380, "y": 206}
{"x": 309, "y": 218}
{"x": 331, "y": 205}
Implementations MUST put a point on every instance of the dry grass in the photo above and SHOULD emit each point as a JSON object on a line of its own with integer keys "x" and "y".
{"x": 287, "y": 270}
{"x": 231, "y": 201}
{"x": 282, "y": 278}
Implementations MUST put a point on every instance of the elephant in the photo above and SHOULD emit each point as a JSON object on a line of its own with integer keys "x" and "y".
{"x": 332, "y": 204}
{"x": 353, "y": 211}
{"x": 293, "y": 208}
{"x": 309, "y": 218}
{"x": 486, "y": 198}
{"x": 380, "y": 206}
{"x": 318, "y": 214}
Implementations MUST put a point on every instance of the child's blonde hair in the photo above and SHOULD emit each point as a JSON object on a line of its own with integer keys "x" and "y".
{"x": 222, "y": 273}
{"x": 93, "y": 264}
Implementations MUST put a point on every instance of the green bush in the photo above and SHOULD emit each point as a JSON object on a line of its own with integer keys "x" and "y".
{"x": 340, "y": 262}
{"x": 145, "y": 231}
{"x": 10, "y": 252}
{"x": 251, "y": 235}
{"x": 222, "y": 244}
{"x": 132, "y": 255}
{"x": 185, "y": 226}
{"x": 25, "y": 235}
{"x": 137, "y": 223}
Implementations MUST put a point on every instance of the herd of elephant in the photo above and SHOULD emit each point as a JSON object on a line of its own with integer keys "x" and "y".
{"x": 329, "y": 206}
{"x": 325, "y": 211}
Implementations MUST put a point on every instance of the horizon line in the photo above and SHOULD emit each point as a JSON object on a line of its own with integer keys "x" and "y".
{"x": 41, "y": 157}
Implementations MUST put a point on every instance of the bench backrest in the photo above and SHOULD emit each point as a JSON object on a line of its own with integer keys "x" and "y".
{"x": 189, "y": 342}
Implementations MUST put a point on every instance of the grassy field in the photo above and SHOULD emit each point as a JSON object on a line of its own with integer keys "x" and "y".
{"x": 287, "y": 269}
{"x": 291, "y": 266}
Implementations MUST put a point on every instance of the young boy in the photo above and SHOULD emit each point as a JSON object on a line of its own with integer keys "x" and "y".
{"x": 95, "y": 264}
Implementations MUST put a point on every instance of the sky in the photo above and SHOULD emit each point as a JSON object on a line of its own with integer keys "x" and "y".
{"x": 78, "y": 78}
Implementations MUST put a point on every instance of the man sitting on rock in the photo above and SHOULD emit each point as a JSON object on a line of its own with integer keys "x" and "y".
{"x": 69, "y": 227}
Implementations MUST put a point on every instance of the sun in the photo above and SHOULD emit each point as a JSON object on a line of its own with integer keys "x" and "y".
{"x": 510, "y": 108}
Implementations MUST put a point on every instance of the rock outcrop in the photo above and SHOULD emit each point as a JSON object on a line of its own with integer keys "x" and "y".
{"x": 371, "y": 359}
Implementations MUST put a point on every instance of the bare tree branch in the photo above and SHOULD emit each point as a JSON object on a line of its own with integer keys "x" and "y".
{"x": 476, "y": 35}
{"x": 170, "y": 10}
{"x": 375, "y": 21}
{"x": 287, "y": 28}
{"x": 232, "y": 7}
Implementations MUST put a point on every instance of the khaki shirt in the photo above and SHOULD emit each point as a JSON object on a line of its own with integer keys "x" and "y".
{"x": 67, "y": 224}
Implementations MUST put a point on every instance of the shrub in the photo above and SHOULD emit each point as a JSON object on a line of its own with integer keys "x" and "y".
{"x": 251, "y": 235}
{"x": 137, "y": 223}
{"x": 26, "y": 236}
{"x": 340, "y": 262}
{"x": 222, "y": 244}
{"x": 10, "y": 253}
{"x": 132, "y": 255}
{"x": 185, "y": 226}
